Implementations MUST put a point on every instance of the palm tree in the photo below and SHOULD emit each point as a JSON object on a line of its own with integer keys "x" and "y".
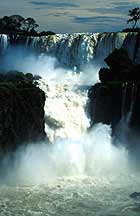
{"x": 135, "y": 16}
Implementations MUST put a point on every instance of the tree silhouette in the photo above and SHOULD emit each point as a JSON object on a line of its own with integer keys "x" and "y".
{"x": 17, "y": 23}
{"x": 29, "y": 25}
{"x": 11, "y": 23}
{"x": 134, "y": 15}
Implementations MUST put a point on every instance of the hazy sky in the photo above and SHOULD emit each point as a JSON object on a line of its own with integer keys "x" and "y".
{"x": 72, "y": 15}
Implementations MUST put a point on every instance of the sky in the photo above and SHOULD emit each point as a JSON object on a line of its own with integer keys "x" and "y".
{"x": 67, "y": 16}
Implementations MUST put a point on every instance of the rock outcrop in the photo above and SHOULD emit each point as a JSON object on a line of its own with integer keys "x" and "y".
{"x": 117, "y": 97}
{"x": 21, "y": 111}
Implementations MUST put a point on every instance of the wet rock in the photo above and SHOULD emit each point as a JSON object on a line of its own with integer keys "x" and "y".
{"x": 118, "y": 94}
{"x": 119, "y": 59}
{"x": 120, "y": 67}
{"x": 135, "y": 195}
{"x": 21, "y": 111}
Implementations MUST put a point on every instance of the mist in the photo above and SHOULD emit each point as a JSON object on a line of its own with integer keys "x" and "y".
{"x": 27, "y": 61}
{"x": 93, "y": 155}
{"x": 88, "y": 153}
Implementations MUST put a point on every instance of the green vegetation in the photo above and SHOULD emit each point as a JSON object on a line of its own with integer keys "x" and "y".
{"x": 16, "y": 24}
{"x": 18, "y": 79}
{"x": 134, "y": 15}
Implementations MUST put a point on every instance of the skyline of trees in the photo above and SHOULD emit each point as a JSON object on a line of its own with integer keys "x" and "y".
{"x": 17, "y": 23}
{"x": 134, "y": 15}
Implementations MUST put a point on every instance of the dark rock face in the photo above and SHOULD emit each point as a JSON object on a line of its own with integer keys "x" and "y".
{"x": 121, "y": 68}
{"x": 21, "y": 111}
{"x": 118, "y": 94}
{"x": 135, "y": 195}
{"x": 104, "y": 107}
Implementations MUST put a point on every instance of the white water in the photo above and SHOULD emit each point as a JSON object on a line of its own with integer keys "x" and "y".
{"x": 3, "y": 43}
{"x": 78, "y": 49}
{"x": 72, "y": 196}
{"x": 65, "y": 107}
{"x": 73, "y": 150}
{"x": 90, "y": 155}
{"x": 81, "y": 172}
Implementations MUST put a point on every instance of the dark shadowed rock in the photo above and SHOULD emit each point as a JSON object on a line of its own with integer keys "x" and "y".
{"x": 117, "y": 97}
{"x": 21, "y": 111}
{"x": 120, "y": 67}
{"x": 105, "y": 103}
{"x": 135, "y": 195}
{"x": 119, "y": 59}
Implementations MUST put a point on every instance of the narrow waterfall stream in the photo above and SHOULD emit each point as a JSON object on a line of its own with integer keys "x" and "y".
{"x": 133, "y": 98}
{"x": 65, "y": 107}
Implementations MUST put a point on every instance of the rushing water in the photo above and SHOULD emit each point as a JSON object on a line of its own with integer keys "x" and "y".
{"x": 78, "y": 49}
{"x": 65, "y": 107}
{"x": 80, "y": 172}
{"x": 73, "y": 196}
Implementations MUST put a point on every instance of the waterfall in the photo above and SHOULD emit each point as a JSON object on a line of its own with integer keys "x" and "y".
{"x": 132, "y": 102}
{"x": 108, "y": 42}
{"x": 78, "y": 49}
{"x": 74, "y": 50}
{"x": 130, "y": 44}
{"x": 3, "y": 43}
{"x": 124, "y": 91}
{"x": 128, "y": 101}
{"x": 125, "y": 112}
{"x": 65, "y": 115}
{"x": 74, "y": 149}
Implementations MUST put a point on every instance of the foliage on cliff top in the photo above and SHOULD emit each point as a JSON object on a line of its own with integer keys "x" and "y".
{"x": 16, "y": 24}
{"x": 134, "y": 18}
{"x": 134, "y": 15}
{"x": 18, "y": 79}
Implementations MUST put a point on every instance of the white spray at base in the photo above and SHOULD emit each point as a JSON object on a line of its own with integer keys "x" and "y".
{"x": 92, "y": 155}
{"x": 73, "y": 151}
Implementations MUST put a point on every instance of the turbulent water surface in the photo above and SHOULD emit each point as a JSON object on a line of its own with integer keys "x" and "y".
{"x": 73, "y": 196}
{"x": 80, "y": 172}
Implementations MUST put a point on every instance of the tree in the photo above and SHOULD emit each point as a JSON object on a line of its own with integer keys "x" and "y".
{"x": 17, "y": 23}
{"x": 135, "y": 16}
{"x": 29, "y": 25}
{"x": 11, "y": 23}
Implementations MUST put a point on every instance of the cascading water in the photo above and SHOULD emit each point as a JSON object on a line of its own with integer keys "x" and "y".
{"x": 123, "y": 107}
{"x": 79, "y": 172}
{"x": 78, "y": 49}
{"x": 131, "y": 45}
{"x": 65, "y": 107}
{"x": 129, "y": 92}
{"x": 126, "y": 112}
{"x": 133, "y": 97}
{"x": 83, "y": 48}
{"x": 3, "y": 43}
{"x": 107, "y": 42}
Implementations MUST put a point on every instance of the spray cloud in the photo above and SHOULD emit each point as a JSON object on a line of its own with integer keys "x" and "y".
{"x": 73, "y": 151}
